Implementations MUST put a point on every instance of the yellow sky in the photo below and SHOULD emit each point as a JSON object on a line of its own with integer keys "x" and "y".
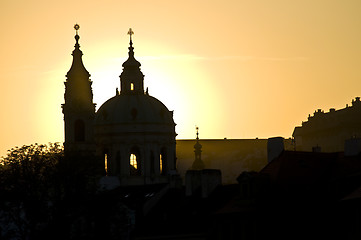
{"x": 237, "y": 69}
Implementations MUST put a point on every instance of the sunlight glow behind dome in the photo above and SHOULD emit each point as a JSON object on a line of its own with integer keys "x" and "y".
{"x": 178, "y": 81}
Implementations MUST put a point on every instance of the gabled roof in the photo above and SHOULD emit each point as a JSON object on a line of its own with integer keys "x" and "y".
{"x": 301, "y": 167}
{"x": 314, "y": 174}
{"x": 176, "y": 214}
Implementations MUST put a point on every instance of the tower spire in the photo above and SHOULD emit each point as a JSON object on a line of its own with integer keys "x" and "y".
{"x": 198, "y": 163}
{"x": 77, "y": 67}
{"x": 78, "y": 109}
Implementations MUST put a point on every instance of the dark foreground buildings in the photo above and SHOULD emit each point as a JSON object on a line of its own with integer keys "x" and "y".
{"x": 153, "y": 186}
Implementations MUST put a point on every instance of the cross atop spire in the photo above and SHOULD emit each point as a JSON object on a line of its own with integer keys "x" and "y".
{"x": 197, "y": 128}
{"x": 130, "y": 33}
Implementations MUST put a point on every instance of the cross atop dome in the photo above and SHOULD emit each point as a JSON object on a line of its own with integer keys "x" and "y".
{"x": 130, "y": 33}
{"x": 131, "y": 79}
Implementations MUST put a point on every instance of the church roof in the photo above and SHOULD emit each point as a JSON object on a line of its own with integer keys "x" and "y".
{"x": 77, "y": 67}
{"x": 133, "y": 108}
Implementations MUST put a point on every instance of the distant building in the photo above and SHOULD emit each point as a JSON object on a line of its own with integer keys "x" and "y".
{"x": 231, "y": 156}
{"x": 327, "y": 132}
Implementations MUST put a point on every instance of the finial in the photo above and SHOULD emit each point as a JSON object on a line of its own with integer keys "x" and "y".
{"x": 131, "y": 53}
{"x": 76, "y": 27}
{"x": 198, "y": 163}
{"x": 130, "y": 33}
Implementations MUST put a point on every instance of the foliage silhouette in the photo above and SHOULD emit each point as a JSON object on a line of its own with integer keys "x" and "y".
{"x": 40, "y": 186}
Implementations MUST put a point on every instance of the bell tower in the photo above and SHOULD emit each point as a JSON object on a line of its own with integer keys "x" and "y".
{"x": 78, "y": 109}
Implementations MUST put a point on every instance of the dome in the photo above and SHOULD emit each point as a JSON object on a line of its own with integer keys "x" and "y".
{"x": 134, "y": 109}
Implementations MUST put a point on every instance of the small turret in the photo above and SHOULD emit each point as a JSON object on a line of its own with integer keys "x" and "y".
{"x": 198, "y": 163}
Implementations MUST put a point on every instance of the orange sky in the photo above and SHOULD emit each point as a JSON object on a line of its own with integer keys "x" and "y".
{"x": 237, "y": 69}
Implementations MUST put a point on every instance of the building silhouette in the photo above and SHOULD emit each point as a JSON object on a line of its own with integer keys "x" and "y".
{"x": 120, "y": 175}
{"x": 328, "y": 131}
{"x": 297, "y": 195}
{"x": 132, "y": 132}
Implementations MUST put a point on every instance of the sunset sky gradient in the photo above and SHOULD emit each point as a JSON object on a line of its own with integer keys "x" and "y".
{"x": 236, "y": 69}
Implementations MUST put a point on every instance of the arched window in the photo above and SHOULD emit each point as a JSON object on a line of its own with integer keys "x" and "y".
{"x": 106, "y": 164}
{"x": 131, "y": 86}
{"x": 79, "y": 131}
{"x": 134, "y": 162}
{"x": 160, "y": 163}
{"x": 163, "y": 161}
{"x": 105, "y": 154}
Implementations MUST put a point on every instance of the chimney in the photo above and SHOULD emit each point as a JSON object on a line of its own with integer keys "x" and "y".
{"x": 316, "y": 149}
{"x": 275, "y": 147}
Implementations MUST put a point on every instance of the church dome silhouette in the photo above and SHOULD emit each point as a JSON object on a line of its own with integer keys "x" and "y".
{"x": 133, "y": 108}
{"x": 133, "y": 105}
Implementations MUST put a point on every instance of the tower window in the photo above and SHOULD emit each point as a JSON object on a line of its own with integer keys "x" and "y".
{"x": 131, "y": 86}
{"x": 79, "y": 131}
{"x": 106, "y": 161}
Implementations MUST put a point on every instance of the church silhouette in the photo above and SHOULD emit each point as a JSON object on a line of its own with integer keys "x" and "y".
{"x": 133, "y": 132}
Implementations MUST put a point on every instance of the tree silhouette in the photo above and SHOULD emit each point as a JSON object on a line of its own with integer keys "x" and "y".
{"x": 40, "y": 186}
{"x": 28, "y": 186}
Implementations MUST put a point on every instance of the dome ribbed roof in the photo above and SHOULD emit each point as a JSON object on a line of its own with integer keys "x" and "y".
{"x": 133, "y": 108}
